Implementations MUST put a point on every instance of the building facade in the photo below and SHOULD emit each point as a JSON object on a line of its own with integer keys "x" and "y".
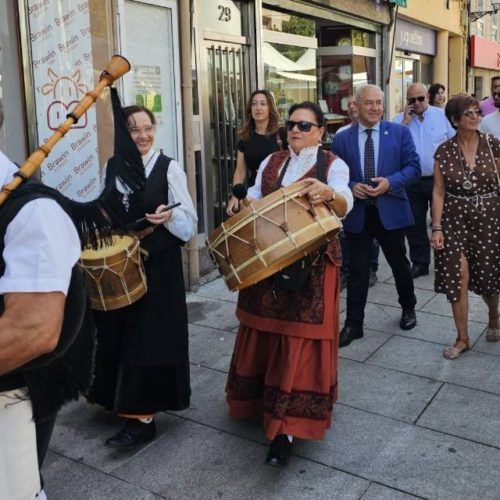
{"x": 484, "y": 47}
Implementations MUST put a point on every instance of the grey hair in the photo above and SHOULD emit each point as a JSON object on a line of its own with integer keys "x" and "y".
{"x": 1, "y": 113}
{"x": 363, "y": 88}
{"x": 417, "y": 85}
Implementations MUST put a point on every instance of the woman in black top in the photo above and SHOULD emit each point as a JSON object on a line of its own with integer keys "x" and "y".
{"x": 259, "y": 137}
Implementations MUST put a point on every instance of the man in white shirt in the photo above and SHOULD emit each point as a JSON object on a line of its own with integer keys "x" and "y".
{"x": 490, "y": 124}
{"x": 40, "y": 247}
{"x": 429, "y": 127}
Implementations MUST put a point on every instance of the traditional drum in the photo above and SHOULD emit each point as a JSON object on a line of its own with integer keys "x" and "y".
{"x": 114, "y": 273}
{"x": 270, "y": 234}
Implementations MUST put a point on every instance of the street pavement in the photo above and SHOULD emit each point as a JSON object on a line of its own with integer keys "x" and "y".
{"x": 408, "y": 423}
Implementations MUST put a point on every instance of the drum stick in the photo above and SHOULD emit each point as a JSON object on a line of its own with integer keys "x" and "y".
{"x": 166, "y": 209}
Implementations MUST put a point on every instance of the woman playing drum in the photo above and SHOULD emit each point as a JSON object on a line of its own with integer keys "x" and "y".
{"x": 142, "y": 364}
{"x": 284, "y": 363}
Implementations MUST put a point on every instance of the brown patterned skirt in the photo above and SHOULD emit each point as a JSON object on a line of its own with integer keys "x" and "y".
{"x": 291, "y": 381}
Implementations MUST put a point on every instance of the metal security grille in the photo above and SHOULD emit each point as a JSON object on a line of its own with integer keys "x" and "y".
{"x": 228, "y": 93}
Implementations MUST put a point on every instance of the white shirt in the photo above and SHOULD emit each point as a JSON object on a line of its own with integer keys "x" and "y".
{"x": 428, "y": 134}
{"x": 183, "y": 222}
{"x": 337, "y": 178}
{"x": 490, "y": 124}
{"x": 41, "y": 245}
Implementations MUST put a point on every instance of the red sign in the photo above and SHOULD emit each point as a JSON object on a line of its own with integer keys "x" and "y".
{"x": 484, "y": 53}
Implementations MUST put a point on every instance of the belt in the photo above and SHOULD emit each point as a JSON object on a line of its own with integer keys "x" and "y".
{"x": 476, "y": 199}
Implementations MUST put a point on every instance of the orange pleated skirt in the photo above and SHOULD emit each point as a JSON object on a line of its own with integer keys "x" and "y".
{"x": 290, "y": 381}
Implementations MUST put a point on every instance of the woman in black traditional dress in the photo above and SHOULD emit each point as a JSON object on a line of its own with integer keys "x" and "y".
{"x": 142, "y": 363}
{"x": 466, "y": 219}
{"x": 259, "y": 137}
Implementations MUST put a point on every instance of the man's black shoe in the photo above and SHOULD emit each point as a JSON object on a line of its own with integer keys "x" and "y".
{"x": 348, "y": 334}
{"x": 408, "y": 319}
{"x": 279, "y": 451}
{"x": 419, "y": 270}
{"x": 133, "y": 433}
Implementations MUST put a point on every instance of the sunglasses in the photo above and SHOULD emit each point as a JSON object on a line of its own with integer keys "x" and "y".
{"x": 302, "y": 125}
{"x": 413, "y": 100}
{"x": 469, "y": 113}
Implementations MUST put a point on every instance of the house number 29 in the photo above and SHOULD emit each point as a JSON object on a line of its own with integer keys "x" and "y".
{"x": 225, "y": 13}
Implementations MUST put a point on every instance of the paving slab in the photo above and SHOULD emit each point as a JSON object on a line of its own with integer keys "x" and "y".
{"x": 218, "y": 314}
{"x": 363, "y": 348}
{"x": 465, "y": 413}
{"x": 384, "y": 392}
{"x": 478, "y": 311}
{"x": 217, "y": 289}
{"x": 379, "y": 492}
{"x": 410, "y": 459}
{"x": 203, "y": 463}
{"x": 430, "y": 327}
{"x": 473, "y": 369}
{"x": 210, "y": 347}
{"x": 422, "y": 282}
{"x": 81, "y": 430}
{"x": 66, "y": 479}
{"x": 386, "y": 294}
{"x": 482, "y": 345}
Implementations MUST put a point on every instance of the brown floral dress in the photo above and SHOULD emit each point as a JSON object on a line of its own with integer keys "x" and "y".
{"x": 471, "y": 219}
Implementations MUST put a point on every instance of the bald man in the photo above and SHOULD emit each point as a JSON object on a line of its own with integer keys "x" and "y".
{"x": 429, "y": 127}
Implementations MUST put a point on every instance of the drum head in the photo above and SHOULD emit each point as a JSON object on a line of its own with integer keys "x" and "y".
{"x": 118, "y": 244}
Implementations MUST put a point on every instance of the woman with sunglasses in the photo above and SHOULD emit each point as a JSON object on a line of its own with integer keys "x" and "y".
{"x": 284, "y": 364}
{"x": 259, "y": 137}
{"x": 466, "y": 219}
{"x": 142, "y": 363}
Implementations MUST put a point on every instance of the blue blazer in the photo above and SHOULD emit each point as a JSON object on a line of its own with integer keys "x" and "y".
{"x": 398, "y": 162}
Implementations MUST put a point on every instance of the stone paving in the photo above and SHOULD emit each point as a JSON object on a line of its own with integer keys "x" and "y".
{"x": 408, "y": 423}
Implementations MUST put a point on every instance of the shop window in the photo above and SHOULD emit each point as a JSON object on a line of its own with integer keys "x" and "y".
{"x": 70, "y": 44}
{"x": 289, "y": 56}
{"x": 405, "y": 72}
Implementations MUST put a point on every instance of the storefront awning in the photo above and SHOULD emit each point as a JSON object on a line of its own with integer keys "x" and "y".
{"x": 297, "y": 76}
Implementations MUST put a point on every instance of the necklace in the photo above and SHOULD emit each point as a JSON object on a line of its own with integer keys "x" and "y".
{"x": 467, "y": 184}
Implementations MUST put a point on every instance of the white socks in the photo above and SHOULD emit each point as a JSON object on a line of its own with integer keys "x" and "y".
{"x": 147, "y": 420}
{"x": 290, "y": 437}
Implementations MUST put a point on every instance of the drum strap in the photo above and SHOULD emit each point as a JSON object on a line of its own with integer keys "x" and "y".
{"x": 320, "y": 168}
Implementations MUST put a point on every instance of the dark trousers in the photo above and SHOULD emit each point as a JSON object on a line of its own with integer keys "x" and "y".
{"x": 420, "y": 195}
{"x": 375, "y": 250}
{"x": 392, "y": 244}
{"x": 44, "y": 428}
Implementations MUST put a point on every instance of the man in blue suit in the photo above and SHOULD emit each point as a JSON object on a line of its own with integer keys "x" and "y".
{"x": 382, "y": 162}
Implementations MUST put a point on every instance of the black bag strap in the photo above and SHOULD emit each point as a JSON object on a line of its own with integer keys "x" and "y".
{"x": 282, "y": 173}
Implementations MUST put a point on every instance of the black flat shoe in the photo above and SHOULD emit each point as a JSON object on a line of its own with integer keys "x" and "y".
{"x": 279, "y": 451}
{"x": 348, "y": 334}
{"x": 419, "y": 270}
{"x": 408, "y": 319}
{"x": 133, "y": 433}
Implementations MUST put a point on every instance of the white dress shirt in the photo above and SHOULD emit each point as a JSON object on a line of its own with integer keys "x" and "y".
{"x": 490, "y": 124}
{"x": 337, "y": 178}
{"x": 183, "y": 222}
{"x": 41, "y": 245}
{"x": 428, "y": 134}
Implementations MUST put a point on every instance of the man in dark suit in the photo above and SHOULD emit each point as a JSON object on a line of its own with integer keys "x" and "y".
{"x": 382, "y": 162}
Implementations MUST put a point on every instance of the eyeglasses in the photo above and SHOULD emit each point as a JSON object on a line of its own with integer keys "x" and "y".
{"x": 302, "y": 125}
{"x": 469, "y": 113}
{"x": 413, "y": 100}
{"x": 148, "y": 129}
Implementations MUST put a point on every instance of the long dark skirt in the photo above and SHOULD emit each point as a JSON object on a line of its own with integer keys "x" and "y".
{"x": 142, "y": 363}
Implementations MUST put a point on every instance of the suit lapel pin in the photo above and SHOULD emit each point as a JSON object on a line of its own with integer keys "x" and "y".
{"x": 386, "y": 132}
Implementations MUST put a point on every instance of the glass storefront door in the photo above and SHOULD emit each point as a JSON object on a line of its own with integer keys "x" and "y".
{"x": 227, "y": 92}
{"x": 405, "y": 72}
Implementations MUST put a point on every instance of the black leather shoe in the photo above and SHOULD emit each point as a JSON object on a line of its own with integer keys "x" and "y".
{"x": 279, "y": 451}
{"x": 408, "y": 319}
{"x": 348, "y": 334}
{"x": 133, "y": 433}
{"x": 419, "y": 270}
